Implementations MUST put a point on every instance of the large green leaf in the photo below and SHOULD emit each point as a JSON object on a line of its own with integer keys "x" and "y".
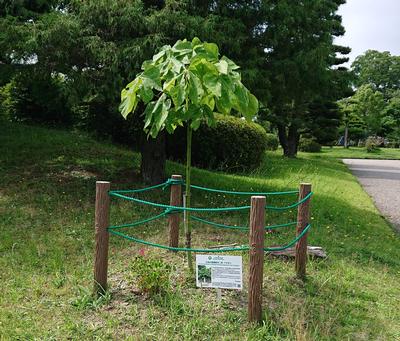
{"x": 148, "y": 114}
{"x": 145, "y": 94}
{"x": 212, "y": 83}
{"x": 195, "y": 88}
{"x": 128, "y": 102}
{"x": 151, "y": 75}
{"x": 178, "y": 92}
{"x": 212, "y": 49}
{"x": 222, "y": 67}
{"x": 252, "y": 108}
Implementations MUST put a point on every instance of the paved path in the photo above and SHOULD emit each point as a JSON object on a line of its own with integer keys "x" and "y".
{"x": 381, "y": 180}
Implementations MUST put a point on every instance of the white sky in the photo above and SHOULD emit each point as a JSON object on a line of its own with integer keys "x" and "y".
{"x": 371, "y": 24}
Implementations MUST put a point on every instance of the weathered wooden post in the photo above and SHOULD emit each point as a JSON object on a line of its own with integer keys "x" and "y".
{"x": 257, "y": 233}
{"x": 303, "y": 219}
{"x": 174, "y": 219}
{"x": 102, "y": 220}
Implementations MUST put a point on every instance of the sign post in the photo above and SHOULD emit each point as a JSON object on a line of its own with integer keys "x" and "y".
{"x": 224, "y": 272}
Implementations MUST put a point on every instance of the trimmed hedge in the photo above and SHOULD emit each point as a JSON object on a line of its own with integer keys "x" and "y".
{"x": 309, "y": 145}
{"x": 272, "y": 142}
{"x": 233, "y": 144}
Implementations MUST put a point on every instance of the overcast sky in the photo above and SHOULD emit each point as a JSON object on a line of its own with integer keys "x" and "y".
{"x": 371, "y": 24}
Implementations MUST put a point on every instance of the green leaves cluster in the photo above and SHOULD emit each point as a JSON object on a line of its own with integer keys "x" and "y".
{"x": 187, "y": 82}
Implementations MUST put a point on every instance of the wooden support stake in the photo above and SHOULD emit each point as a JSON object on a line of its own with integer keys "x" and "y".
{"x": 174, "y": 219}
{"x": 102, "y": 220}
{"x": 257, "y": 223}
{"x": 303, "y": 218}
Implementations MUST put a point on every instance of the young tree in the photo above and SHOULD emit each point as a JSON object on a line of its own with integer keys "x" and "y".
{"x": 183, "y": 85}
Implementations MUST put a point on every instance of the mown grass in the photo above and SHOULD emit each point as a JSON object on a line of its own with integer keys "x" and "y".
{"x": 46, "y": 251}
{"x": 360, "y": 153}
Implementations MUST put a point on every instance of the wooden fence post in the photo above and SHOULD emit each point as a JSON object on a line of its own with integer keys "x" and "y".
{"x": 257, "y": 233}
{"x": 173, "y": 218}
{"x": 102, "y": 220}
{"x": 303, "y": 219}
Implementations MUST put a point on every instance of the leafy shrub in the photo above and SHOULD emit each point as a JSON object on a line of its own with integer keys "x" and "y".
{"x": 232, "y": 144}
{"x": 371, "y": 144}
{"x": 309, "y": 145}
{"x": 151, "y": 274}
{"x": 7, "y": 103}
{"x": 35, "y": 99}
{"x": 272, "y": 142}
{"x": 393, "y": 144}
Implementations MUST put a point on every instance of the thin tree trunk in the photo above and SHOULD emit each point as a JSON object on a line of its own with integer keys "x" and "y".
{"x": 153, "y": 153}
{"x": 289, "y": 140}
{"x": 293, "y": 141}
{"x": 283, "y": 138}
{"x": 188, "y": 228}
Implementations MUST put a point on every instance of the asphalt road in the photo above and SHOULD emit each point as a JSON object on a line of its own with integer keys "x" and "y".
{"x": 381, "y": 180}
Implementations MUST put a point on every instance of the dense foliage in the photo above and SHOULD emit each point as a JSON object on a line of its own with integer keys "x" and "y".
{"x": 93, "y": 48}
{"x": 232, "y": 144}
{"x": 187, "y": 84}
{"x": 374, "y": 109}
{"x": 309, "y": 145}
{"x": 272, "y": 142}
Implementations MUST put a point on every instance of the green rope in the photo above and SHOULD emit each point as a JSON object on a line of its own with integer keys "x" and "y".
{"x": 274, "y": 208}
{"x": 294, "y": 241}
{"x": 243, "y": 228}
{"x": 242, "y": 193}
{"x": 240, "y": 248}
{"x": 178, "y": 208}
{"x": 139, "y": 222}
{"x": 143, "y": 189}
{"x": 204, "y": 209}
{"x": 141, "y": 241}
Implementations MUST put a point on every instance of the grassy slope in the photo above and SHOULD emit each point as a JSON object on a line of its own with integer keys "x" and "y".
{"x": 46, "y": 248}
{"x": 361, "y": 153}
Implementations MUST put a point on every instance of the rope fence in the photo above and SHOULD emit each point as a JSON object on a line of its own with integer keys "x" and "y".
{"x": 171, "y": 209}
{"x": 256, "y": 229}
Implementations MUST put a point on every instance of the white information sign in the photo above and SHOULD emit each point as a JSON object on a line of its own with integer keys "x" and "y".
{"x": 219, "y": 272}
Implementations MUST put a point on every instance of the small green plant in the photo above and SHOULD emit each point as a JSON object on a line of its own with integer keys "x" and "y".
{"x": 152, "y": 275}
{"x": 309, "y": 145}
{"x": 59, "y": 280}
{"x": 86, "y": 299}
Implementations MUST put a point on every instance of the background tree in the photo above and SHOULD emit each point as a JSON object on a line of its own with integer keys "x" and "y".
{"x": 300, "y": 55}
{"x": 380, "y": 70}
{"x": 372, "y": 110}
{"x": 369, "y": 105}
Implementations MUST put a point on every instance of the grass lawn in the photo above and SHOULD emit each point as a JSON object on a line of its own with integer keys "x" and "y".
{"x": 47, "y": 191}
{"x": 360, "y": 153}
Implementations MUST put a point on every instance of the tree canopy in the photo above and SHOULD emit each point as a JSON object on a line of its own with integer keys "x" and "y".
{"x": 88, "y": 50}
{"x": 191, "y": 83}
{"x": 380, "y": 70}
